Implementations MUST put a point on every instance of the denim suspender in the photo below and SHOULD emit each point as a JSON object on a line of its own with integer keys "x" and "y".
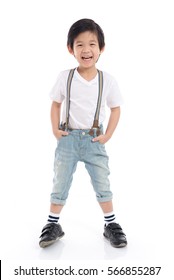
{"x": 68, "y": 88}
{"x": 97, "y": 112}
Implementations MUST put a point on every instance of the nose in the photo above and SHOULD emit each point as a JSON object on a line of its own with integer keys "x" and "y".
{"x": 85, "y": 49}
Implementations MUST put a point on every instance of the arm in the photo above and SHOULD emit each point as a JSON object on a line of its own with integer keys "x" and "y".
{"x": 55, "y": 120}
{"x": 112, "y": 124}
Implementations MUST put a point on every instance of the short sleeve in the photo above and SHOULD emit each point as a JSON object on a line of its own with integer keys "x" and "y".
{"x": 58, "y": 91}
{"x": 114, "y": 97}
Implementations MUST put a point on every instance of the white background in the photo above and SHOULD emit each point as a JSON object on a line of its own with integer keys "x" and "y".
{"x": 139, "y": 53}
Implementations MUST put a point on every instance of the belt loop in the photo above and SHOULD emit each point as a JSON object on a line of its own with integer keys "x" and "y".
{"x": 95, "y": 132}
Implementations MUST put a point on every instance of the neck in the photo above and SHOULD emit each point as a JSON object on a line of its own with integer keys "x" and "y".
{"x": 87, "y": 73}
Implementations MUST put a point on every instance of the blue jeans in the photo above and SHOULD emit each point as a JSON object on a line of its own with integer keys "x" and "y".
{"x": 78, "y": 146}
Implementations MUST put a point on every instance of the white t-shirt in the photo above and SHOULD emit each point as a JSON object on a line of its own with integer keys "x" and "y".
{"x": 84, "y": 96}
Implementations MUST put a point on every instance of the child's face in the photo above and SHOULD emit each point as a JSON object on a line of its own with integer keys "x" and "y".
{"x": 86, "y": 49}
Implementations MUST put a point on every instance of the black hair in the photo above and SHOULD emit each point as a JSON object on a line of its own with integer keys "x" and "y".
{"x": 83, "y": 25}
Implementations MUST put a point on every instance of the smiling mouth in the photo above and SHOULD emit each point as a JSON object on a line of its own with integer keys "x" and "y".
{"x": 86, "y": 58}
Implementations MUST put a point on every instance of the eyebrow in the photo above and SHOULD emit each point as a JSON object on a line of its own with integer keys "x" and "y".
{"x": 91, "y": 41}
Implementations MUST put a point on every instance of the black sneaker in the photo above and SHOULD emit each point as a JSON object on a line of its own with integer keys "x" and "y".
{"x": 113, "y": 232}
{"x": 50, "y": 234}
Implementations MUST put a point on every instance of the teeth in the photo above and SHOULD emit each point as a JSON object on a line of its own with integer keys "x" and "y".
{"x": 86, "y": 57}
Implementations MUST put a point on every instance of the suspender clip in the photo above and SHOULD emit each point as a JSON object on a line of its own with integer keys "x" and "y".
{"x": 95, "y": 131}
{"x": 63, "y": 127}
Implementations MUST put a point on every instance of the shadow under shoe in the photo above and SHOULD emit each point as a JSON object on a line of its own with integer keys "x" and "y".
{"x": 51, "y": 232}
{"x": 114, "y": 233}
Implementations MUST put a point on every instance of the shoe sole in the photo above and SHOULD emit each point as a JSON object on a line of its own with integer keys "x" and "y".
{"x": 44, "y": 244}
{"x": 121, "y": 245}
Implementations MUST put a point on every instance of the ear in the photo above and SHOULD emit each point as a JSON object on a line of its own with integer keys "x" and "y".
{"x": 102, "y": 50}
{"x": 70, "y": 50}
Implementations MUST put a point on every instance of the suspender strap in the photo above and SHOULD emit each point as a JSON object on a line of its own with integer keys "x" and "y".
{"x": 100, "y": 82}
{"x": 96, "y": 126}
{"x": 70, "y": 76}
{"x": 96, "y": 118}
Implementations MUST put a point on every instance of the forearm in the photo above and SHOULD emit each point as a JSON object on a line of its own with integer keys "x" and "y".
{"x": 112, "y": 124}
{"x": 55, "y": 120}
{"x": 113, "y": 121}
{"x": 55, "y": 115}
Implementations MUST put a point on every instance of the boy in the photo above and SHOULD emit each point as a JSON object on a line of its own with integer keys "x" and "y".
{"x": 80, "y": 136}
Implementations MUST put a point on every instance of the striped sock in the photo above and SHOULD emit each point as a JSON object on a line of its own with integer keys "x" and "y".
{"x": 109, "y": 218}
{"x": 53, "y": 218}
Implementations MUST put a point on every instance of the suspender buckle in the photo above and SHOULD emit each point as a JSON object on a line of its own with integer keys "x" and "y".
{"x": 63, "y": 127}
{"x": 95, "y": 131}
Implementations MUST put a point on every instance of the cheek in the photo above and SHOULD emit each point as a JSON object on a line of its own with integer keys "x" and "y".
{"x": 75, "y": 53}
